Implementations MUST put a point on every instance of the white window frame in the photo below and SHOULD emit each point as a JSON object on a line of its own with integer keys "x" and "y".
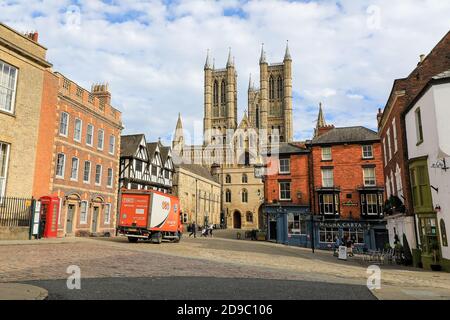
{"x": 77, "y": 170}
{"x": 281, "y": 192}
{"x": 85, "y": 220}
{"x": 330, "y": 177}
{"x": 288, "y": 166}
{"x": 327, "y": 156}
{"x": 108, "y": 184}
{"x": 5, "y": 177}
{"x": 100, "y": 176}
{"x": 366, "y": 178}
{"x": 84, "y": 172}
{"x": 364, "y": 151}
{"x": 75, "y": 138}
{"x": 102, "y": 139}
{"x": 107, "y": 217}
{"x": 66, "y": 129}
{"x": 385, "y": 152}
{"x": 14, "y": 90}
{"x": 92, "y": 135}
{"x": 58, "y": 176}
{"x": 113, "y": 138}
{"x": 394, "y": 132}
{"x": 389, "y": 146}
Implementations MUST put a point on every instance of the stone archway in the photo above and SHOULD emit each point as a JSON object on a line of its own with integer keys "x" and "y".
{"x": 237, "y": 220}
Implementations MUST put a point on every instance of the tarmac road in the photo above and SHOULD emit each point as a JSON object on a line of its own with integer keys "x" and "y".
{"x": 202, "y": 288}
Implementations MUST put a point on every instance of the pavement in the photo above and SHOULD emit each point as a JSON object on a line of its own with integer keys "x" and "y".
{"x": 202, "y": 265}
{"x": 20, "y": 291}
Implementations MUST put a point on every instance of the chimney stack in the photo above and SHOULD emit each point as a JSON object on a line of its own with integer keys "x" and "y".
{"x": 422, "y": 57}
{"x": 101, "y": 91}
{"x": 379, "y": 116}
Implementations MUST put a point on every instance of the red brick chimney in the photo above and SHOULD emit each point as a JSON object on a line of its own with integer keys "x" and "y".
{"x": 34, "y": 36}
{"x": 323, "y": 130}
{"x": 101, "y": 91}
{"x": 379, "y": 116}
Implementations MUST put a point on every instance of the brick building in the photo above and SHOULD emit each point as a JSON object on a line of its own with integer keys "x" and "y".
{"x": 287, "y": 193}
{"x": 85, "y": 164}
{"x": 347, "y": 186}
{"x": 391, "y": 128}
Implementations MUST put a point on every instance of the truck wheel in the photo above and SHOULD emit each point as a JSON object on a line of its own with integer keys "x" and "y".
{"x": 132, "y": 240}
{"x": 157, "y": 238}
{"x": 178, "y": 239}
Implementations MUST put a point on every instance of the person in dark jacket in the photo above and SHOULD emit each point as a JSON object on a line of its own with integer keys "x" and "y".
{"x": 193, "y": 230}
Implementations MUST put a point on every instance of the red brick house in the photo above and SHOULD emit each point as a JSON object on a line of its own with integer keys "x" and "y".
{"x": 391, "y": 128}
{"x": 287, "y": 194}
{"x": 347, "y": 180}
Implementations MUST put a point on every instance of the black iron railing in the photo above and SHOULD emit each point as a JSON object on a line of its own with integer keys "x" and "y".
{"x": 15, "y": 212}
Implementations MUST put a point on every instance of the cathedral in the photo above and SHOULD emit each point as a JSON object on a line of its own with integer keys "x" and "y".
{"x": 230, "y": 148}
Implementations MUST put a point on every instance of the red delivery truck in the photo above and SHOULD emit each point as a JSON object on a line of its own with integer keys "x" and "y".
{"x": 149, "y": 215}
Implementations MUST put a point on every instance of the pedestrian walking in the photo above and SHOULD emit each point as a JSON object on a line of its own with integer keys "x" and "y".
{"x": 193, "y": 230}
{"x": 211, "y": 227}
{"x": 337, "y": 244}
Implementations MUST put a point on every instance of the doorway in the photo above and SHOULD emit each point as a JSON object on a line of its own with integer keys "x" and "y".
{"x": 95, "y": 219}
{"x": 273, "y": 230}
{"x": 237, "y": 220}
{"x": 70, "y": 215}
{"x": 381, "y": 238}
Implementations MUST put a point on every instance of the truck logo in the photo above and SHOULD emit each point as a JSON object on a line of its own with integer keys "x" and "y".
{"x": 165, "y": 205}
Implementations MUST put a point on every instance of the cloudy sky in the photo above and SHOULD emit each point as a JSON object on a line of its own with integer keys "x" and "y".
{"x": 345, "y": 54}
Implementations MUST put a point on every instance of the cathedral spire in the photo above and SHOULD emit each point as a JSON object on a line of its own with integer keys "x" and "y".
{"x": 178, "y": 138}
{"x": 250, "y": 84}
{"x": 321, "y": 119}
{"x": 207, "y": 63}
{"x": 287, "y": 55}
{"x": 263, "y": 55}
{"x": 179, "y": 123}
{"x": 230, "y": 60}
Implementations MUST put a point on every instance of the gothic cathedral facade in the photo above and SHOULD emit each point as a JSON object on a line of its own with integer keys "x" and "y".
{"x": 268, "y": 120}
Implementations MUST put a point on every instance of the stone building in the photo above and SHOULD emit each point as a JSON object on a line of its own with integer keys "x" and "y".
{"x": 23, "y": 70}
{"x": 236, "y": 148}
{"x": 85, "y": 164}
{"x": 391, "y": 128}
{"x": 200, "y": 194}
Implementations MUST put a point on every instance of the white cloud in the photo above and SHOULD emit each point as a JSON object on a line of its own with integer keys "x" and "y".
{"x": 152, "y": 53}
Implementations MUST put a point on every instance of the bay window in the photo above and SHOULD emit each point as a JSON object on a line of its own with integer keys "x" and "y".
{"x": 329, "y": 203}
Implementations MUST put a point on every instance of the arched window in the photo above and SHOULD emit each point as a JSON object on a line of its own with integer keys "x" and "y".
{"x": 271, "y": 88}
{"x": 228, "y": 179}
{"x": 257, "y": 116}
{"x": 244, "y": 178}
{"x": 223, "y": 93}
{"x": 280, "y": 87}
{"x": 228, "y": 196}
{"x": 216, "y": 93}
{"x": 244, "y": 196}
{"x": 249, "y": 217}
{"x": 444, "y": 234}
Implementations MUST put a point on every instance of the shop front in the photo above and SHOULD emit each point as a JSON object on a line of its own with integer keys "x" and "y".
{"x": 365, "y": 235}
{"x": 288, "y": 224}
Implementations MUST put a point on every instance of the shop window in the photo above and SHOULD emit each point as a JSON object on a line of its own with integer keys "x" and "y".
{"x": 443, "y": 233}
{"x": 328, "y": 235}
{"x": 296, "y": 226}
{"x": 355, "y": 235}
{"x": 428, "y": 234}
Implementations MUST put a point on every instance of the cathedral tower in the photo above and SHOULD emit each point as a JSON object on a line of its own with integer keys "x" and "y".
{"x": 220, "y": 100}
{"x": 270, "y": 107}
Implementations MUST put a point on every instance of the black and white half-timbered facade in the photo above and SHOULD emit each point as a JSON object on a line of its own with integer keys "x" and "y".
{"x": 145, "y": 166}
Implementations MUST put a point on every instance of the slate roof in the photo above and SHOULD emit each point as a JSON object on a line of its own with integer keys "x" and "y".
{"x": 151, "y": 148}
{"x": 129, "y": 144}
{"x": 347, "y": 135}
{"x": 164, "y": 153}
{"x": 292, "y": 148}
{"x": 198, "y": 170}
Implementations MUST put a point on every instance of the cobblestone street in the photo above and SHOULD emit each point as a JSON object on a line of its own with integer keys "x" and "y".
{"x": 213, "y": 258}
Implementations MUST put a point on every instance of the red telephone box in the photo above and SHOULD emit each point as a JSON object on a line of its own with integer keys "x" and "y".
{"x": 49, "y": 217}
